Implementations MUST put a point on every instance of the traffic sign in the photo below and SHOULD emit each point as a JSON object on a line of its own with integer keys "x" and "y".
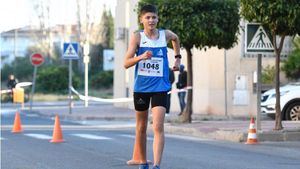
{"x": 37, "y": 59}
{"x": 70, "y": 51}
{"x": 258, "y": 39}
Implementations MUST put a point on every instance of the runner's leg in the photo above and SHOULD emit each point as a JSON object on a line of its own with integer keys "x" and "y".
{"x": 158, "y": 115}
{"x": 139, "y": 151}
{"x": 141, "y": 134}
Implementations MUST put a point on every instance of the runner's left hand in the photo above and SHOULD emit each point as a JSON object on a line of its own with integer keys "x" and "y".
{"x": 176, "y": 65}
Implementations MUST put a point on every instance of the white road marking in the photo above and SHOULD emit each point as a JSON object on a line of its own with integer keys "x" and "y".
{"x": 187, "y": 137}
{"x": 127, "y": 135}
{"x": 7, "y": 111}
{"x": 67, "y": 127}
{"x": 115, "y": 126}
{"x": 133, "y": 136}
{"x": 92, "y": 137}
{"x": 39, "y": 136}
{"x": 32, "y": 115}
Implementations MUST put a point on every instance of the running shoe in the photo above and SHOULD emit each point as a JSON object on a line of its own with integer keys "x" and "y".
{"x": 156, "y": 167}
{"x": 144, "y": 166}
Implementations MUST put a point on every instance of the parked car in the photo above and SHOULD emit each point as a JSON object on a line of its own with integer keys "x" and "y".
{"x": 289, "y": 102}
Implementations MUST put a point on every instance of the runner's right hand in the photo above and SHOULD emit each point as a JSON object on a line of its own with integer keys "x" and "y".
{"x": 146, "y": 55}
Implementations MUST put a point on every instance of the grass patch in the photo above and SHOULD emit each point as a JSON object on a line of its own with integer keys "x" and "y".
{"x": 49, "y": 97}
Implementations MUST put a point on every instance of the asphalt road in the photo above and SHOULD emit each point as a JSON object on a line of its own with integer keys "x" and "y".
{"x": 106, "y": 145}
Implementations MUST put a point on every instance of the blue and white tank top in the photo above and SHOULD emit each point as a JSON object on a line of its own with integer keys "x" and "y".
{"x": 152, "y": 75}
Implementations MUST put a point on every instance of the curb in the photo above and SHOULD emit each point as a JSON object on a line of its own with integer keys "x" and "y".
{"x": 235, "y": 136}
{"x": 228, "y": 135}
{"x": 283, "y": 135}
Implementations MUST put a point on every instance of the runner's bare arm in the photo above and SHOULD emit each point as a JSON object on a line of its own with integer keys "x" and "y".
{"x": 130, "y": 60}
{"x": 175, "y": 41}
{"x": 176, "y": 47}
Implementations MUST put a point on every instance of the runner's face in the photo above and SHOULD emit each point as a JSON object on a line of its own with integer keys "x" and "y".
{"x": 149, "y": 20}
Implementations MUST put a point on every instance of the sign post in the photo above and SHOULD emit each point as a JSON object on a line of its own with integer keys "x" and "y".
{"x": 258, "y": 41}
{"x": 36, "y": 60}
{"x": 70, "y": 52}
{"x": 86, "y": 60}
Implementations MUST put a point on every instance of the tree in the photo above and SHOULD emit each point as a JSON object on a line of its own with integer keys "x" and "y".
{"x": 104, "y": 32}
{"x": 283, "y": 19}
{"x": 102, "y": 37}
{"x": 42, "y": 11}
{"x": 20, "y": 67}
{"x": 200, "y": 24}
{"x": 268, "y": 75}
{"x": 96, "y": 56}
{"x": 291, "y": 66}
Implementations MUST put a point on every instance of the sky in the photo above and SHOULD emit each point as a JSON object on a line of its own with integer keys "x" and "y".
{"x": 19, "y": 13}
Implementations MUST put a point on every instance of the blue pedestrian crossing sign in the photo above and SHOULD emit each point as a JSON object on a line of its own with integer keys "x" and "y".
{"x": 258, "y": 39}
{"x": 70, "y": 51}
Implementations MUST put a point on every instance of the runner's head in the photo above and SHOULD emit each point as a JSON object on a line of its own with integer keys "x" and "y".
{"x": 148, "y": 8}
{"x": 149, "y": 17}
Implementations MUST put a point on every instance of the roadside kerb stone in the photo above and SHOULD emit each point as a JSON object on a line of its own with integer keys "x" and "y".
{"x": 283, "y": 135}
{"x": 229, "y": 135}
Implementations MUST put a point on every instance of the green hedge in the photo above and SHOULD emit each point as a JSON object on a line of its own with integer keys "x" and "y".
{"x": 20, "y": 67}
{"x": 54, "y": 79}
{"x": 291, "y": 66}
{"x": 103, "y": 79}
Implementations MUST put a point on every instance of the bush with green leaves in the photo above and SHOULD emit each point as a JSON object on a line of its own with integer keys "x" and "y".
{"x": 20, "y": 67}
{"x": 291, "y": 66}
{"x": 268, "y": 75}
{"x": 103, "y": 79}
{"x": 54, "y": 79}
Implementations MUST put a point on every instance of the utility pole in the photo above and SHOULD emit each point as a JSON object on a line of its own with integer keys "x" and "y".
{"x": 15, "y": 43}
{"x": 86, "y": 60}
{"x": 225, "y": 82}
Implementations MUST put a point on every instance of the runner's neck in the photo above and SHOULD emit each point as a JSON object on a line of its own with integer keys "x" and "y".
{"x": 152, "y": 34}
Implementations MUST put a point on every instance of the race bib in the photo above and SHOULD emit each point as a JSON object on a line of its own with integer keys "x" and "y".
{"x": 151, "y": 67}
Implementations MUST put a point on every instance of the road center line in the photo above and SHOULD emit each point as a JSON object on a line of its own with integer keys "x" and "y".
{"x": 133, "y": 137}
{"x": 92, "y": 137}
{"x": 39, "y": 136}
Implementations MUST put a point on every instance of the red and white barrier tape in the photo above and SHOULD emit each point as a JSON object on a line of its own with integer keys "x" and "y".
{"x": 118, "y": 100}
{"x": 18, "y": 85}
{"x": 181, "y": 90}
{"x": 5, "y": 91}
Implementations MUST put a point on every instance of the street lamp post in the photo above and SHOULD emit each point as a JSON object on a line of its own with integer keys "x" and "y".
{"x": 86, "y": 60}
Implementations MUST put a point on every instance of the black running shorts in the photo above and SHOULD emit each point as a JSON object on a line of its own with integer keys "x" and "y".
{"x": 142, "y": 100}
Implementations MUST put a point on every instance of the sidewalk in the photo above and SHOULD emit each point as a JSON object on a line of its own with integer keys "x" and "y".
{"x": 209, "y": 127}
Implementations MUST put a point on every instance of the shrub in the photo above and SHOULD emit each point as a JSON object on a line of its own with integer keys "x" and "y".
{"x": 103, "y": 79}
{"x": 268, "y": 75}
{"x": 291, "y": 66}
{"x": 20, "y": 67}
{"x": 54, "y": 79}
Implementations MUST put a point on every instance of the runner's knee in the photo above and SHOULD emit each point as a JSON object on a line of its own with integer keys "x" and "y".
{"x": 158, "y": 128}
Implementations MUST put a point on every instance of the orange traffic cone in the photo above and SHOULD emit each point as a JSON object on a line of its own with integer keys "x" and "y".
{"x": 252, "y": 138}
{"x": 17, "y": 124}
{"x": 57, "y": 134}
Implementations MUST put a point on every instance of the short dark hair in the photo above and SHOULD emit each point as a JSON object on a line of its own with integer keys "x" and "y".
{"x": 148, "y": 8}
